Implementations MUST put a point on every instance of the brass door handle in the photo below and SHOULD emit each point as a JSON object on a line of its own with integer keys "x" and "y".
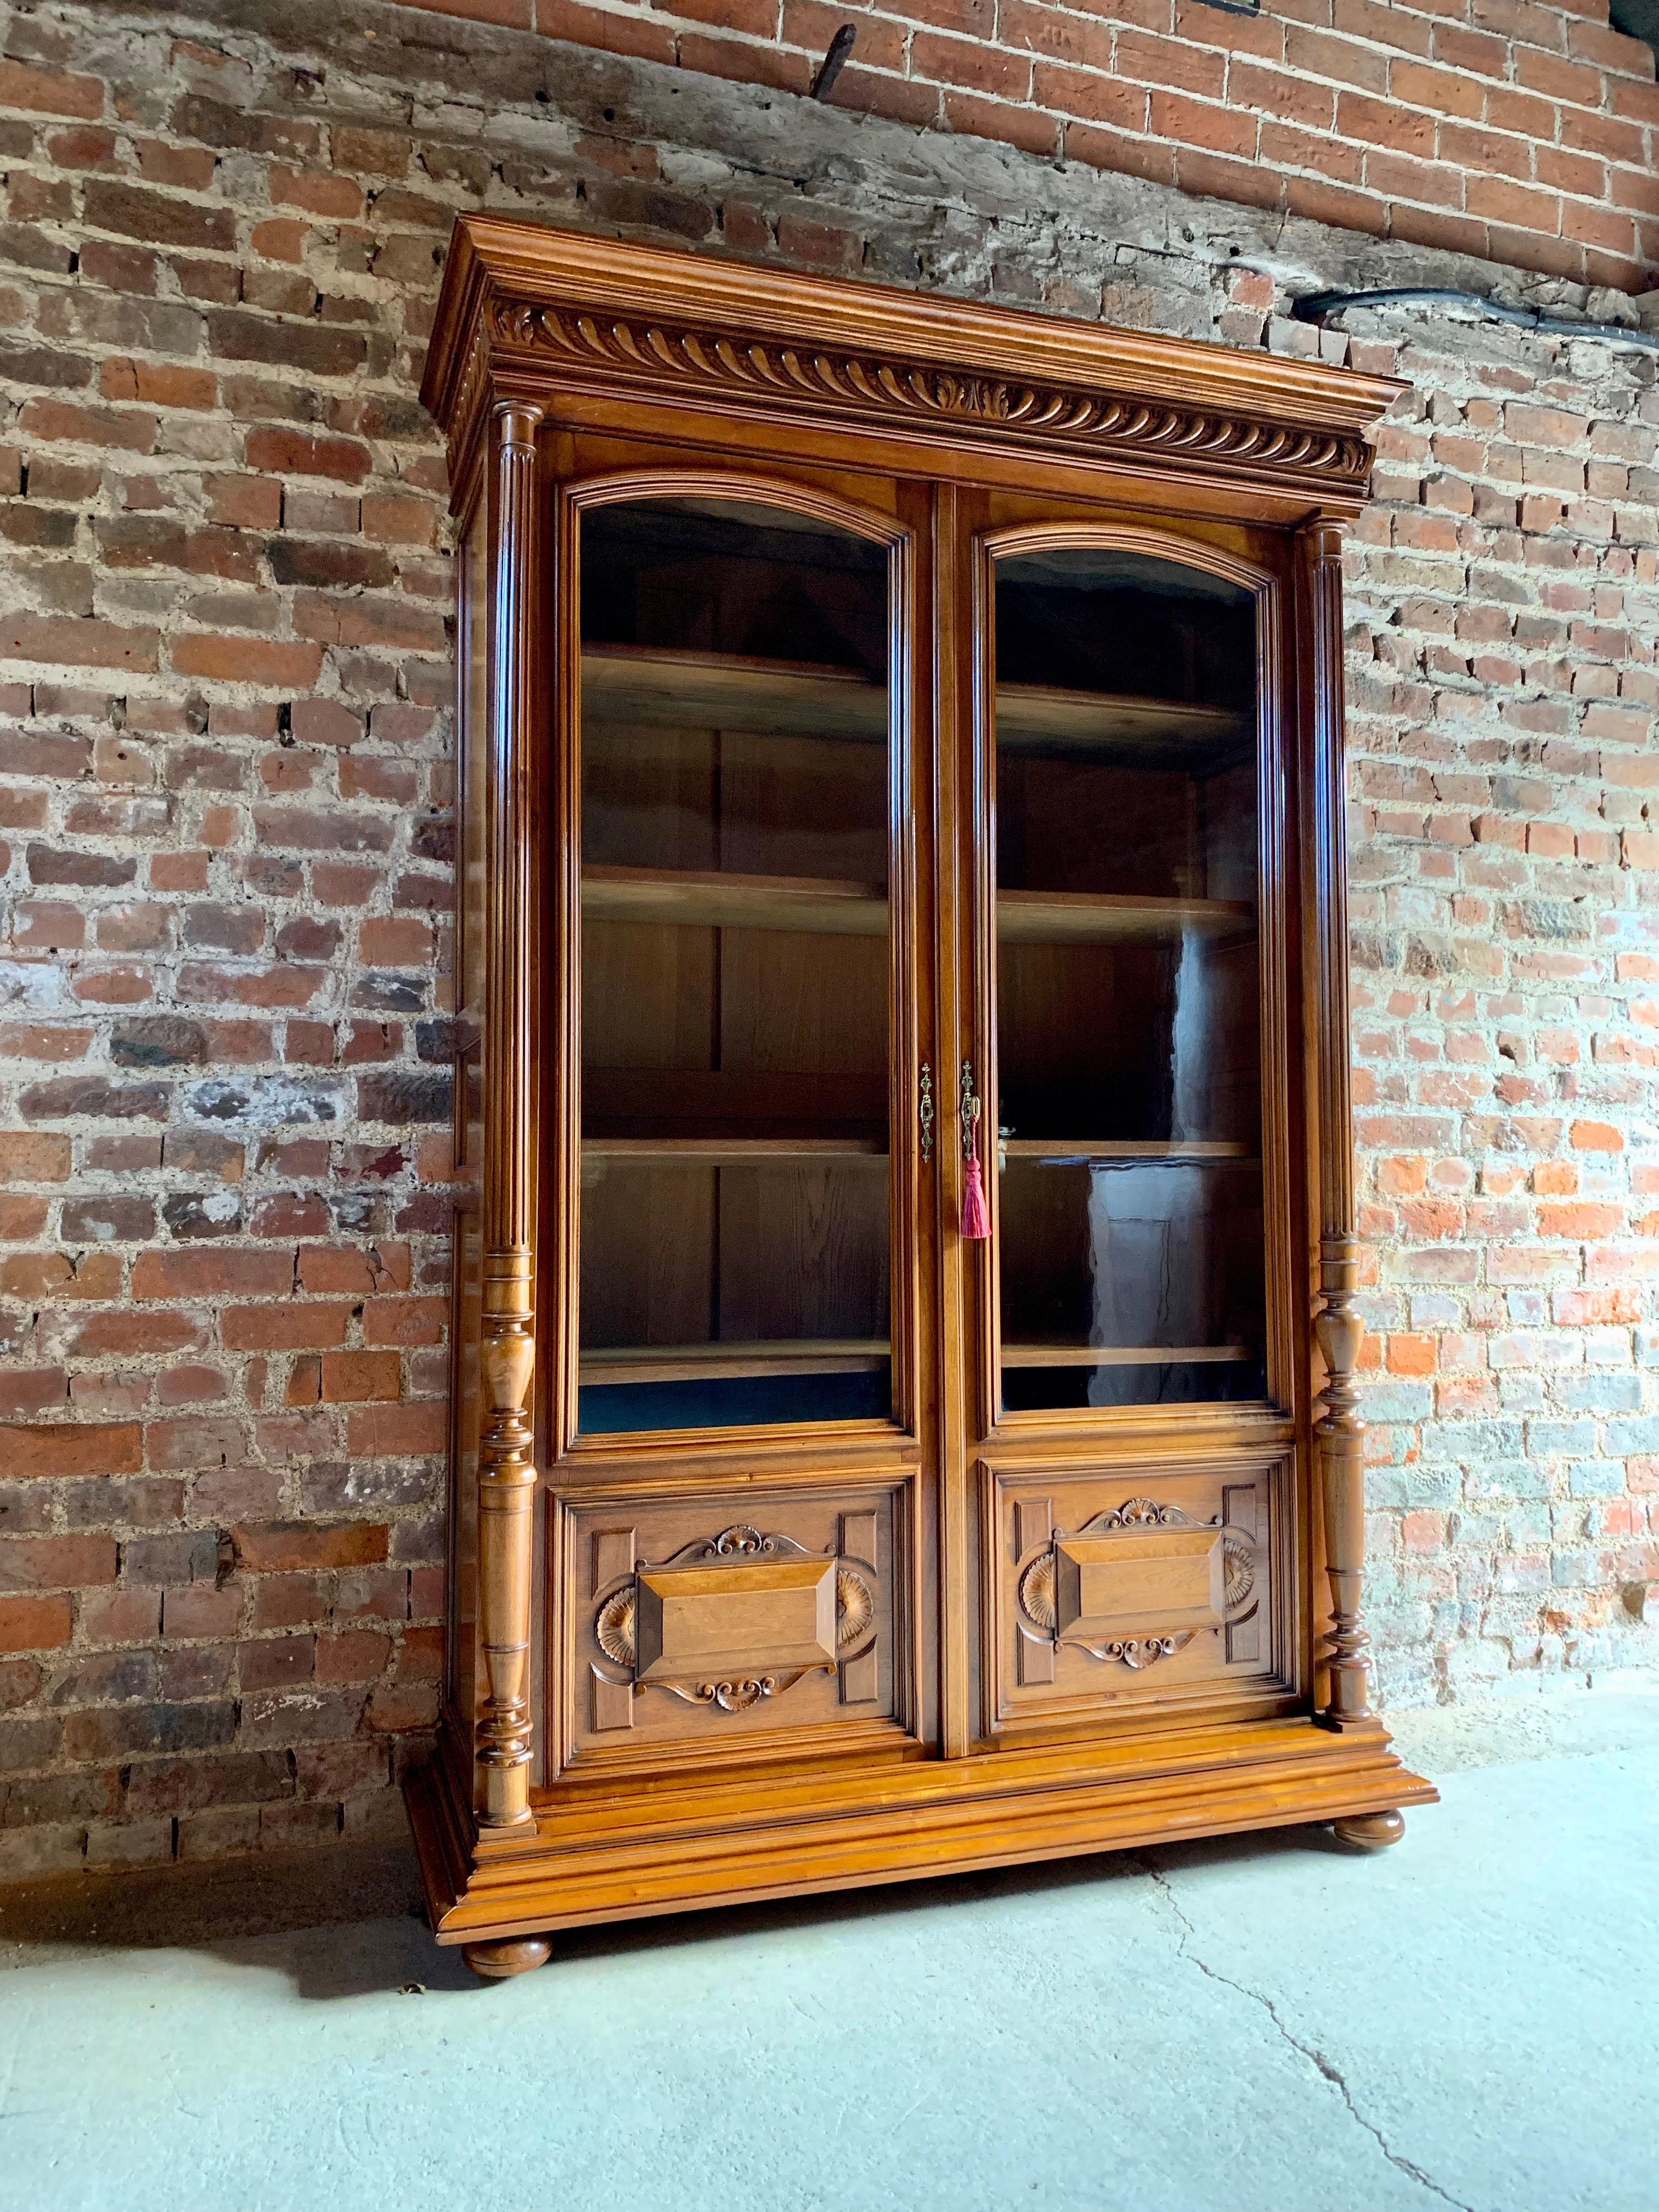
{"x": 970, "y": 1112}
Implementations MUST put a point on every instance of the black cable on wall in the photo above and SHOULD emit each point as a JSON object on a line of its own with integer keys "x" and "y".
{"x": 1320, "y": 307}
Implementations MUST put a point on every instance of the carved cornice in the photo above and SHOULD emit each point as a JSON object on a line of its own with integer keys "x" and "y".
{"x": 648, "y": 354}
{"x": 530, "y": 311}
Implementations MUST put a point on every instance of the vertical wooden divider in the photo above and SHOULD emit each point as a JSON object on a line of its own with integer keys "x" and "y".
{"x": 506, "y": 1356}
{"x": 956, "y": 1724}
{"x": 1338, "y": 1432}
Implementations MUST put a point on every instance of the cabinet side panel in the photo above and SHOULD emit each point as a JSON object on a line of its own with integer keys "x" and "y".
{"x": 472, "y": 738}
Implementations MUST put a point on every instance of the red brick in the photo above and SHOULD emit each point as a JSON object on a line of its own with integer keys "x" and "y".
{"x": 35, "y": 1624}
{"x": 33, "y": 1156}
{"x": 1441, "y": 91}
{"x": 405, "y": 1321}
{"x": 283, "y": 1546}
{"x": 317, "y": 192}
{"x": 50, "y": 92}
{"x": 353, "y": 1375}
{"x": 210, "y": 1273}
{"x": 293, "y": 452}
{"x": 289, "y": 1327}
{"x": 64, "y": 640}
{"x": 397, "y": 1432}
{"x": 158, "y": 384}
{"x": 1195, "y": 123}
{"x": 58, "y": 421}
{"x": 248, "y": 660}
{"x": 56, "y": 1563}
{"x": 57, "y": 1448}
{"x": 360, "y": 1656}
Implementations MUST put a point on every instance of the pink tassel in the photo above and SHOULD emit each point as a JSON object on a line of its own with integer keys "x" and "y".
{"x": 975, "y": 1219}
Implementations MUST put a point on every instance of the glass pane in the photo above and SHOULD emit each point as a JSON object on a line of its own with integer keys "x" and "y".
{"x": 1128, "y": 1082}
{"x": 734, "y": 849}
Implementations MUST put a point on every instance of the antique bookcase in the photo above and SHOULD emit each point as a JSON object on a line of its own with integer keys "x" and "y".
{"x": 904, "y": 1324}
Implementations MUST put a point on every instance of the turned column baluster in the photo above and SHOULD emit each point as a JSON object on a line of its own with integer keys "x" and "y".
{"x": 507, "y": 1355}
{"x": 1338, "y": 1432}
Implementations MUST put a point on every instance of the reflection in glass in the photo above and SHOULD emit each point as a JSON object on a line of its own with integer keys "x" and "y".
{"x": 1130, "y": 1220}
{"x": 734, "y": 847}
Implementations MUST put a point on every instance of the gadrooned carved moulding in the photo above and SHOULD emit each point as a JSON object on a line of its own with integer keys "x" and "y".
{"x": 685, "y": 358}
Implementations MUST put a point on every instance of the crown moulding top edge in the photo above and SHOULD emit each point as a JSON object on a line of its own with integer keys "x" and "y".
{"x": 502, "y": 263}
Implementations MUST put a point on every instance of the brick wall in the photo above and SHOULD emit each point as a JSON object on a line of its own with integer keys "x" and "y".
{"x": 224, "y": 948}
{"x": 1521, "y": 130}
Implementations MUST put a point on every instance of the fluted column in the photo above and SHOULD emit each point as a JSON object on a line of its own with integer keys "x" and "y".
{"x": 506, "y": 1354}
{"x": 1338, "y": 1432}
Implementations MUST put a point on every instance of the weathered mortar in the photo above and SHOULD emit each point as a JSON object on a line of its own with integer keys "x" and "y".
{"x": 224, "y": 777}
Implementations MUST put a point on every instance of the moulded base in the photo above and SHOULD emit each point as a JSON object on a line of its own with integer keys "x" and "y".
{"x": 629, "y": 1852}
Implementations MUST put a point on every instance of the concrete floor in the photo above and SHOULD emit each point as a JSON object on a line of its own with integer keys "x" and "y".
{"x": 1471, "y": 2020}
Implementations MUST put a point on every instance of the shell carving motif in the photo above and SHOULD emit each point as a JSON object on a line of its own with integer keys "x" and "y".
{"x": 855, "y": 1607}
{"x": 709, "y": 359}
{"x": 740, "y": 1543}
{"x": 613, "y": 1629}
{"x": 1238, "y": 1573}
{"x": 1037, "y": 1593}
{"x": 1143, "y": 1513}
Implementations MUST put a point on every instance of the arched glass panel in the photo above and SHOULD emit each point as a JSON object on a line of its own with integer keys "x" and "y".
{"x": 735, "y": 835}
{"x": 1128, "y": 1089}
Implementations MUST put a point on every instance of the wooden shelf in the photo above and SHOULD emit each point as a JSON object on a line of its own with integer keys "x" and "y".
{"x": 1121, "y": 1355}
{"x": 712, "y": 899}
{"x": 1197, "y": 1149}
{"x": 1105, "y": 918}
{"x": 729, "y": 1152}
{"x": 1033, "y": 717}
{"x": 698, "y": 1362}
{"x": 703, "y": 1102}
{"x": 648, "y": 685}
{"x": 823, "y": 906}
{"x": 716, "y": 691}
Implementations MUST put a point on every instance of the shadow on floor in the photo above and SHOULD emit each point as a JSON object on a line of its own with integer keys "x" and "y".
{"x": 349, "y": 1920}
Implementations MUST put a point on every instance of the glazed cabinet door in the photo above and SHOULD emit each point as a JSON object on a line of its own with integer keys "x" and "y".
{"x": 1130, "y": 1093}
{"x": 737, "y": 1515}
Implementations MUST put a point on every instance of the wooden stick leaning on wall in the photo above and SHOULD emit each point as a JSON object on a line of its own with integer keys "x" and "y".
{"x": 1338, "y": 1432}
{"x": 506, "y": 1358}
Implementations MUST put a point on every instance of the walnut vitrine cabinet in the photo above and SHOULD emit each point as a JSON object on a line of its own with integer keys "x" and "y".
{"x": 904, "y": 1323}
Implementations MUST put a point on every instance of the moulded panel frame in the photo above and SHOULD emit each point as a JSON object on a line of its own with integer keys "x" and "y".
{"x": 657, "y": 474}
{"x": 1284, "y": 1256}
{"x": 764, "y": 1500}
{"x": 1126, "y": 1705}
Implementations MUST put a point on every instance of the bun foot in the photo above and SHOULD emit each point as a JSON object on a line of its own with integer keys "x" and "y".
{"x": 511, "y": 1954}
{"x": 1370, "y": 1832}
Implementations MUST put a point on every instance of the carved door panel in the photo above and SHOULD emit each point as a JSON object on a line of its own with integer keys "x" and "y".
{"x": 787, "y": 1629}
{"x": 742, "y": 1432}
{"x": 1108, "y": 1591}
{"x": 1133, "y": 1375}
